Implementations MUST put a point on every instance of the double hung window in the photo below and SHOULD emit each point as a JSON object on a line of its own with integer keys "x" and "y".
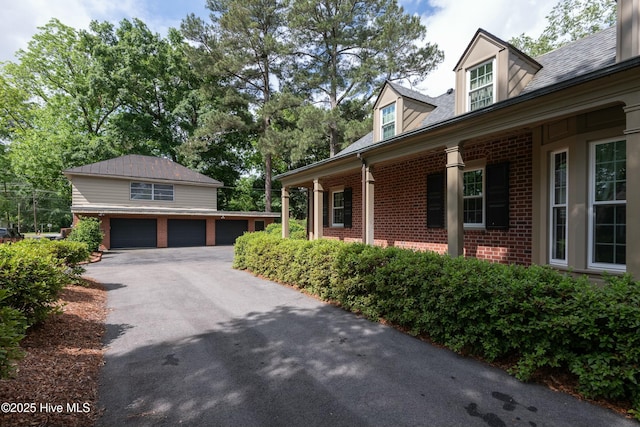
{"x": 473, "y": 197}
{"x": 608, "y": 205}
{"x": 337, "y": 206}
{"x": 558, "y": 205}
{"x": 481, "y": 85}
{"x": 388, "y": 121}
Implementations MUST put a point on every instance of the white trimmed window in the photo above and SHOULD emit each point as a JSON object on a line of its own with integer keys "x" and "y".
{"x": 388, "y": 121}
{"x": 608, "y": 205}
{"x": 481, "y": 84}
{"x": 558, "y": 206}
{"x": 473, "y": 198}
{"x": 151, "y": 191}
{"x": 337, "y": 209}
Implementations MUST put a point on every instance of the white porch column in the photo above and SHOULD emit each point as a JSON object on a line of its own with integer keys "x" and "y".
{"x": 368, "y": 221}
{"x": 455, "y": 204}
{"x": 285, "y": 212}
{"x": 317, "y": 209}
{"x": 632, "y": 133}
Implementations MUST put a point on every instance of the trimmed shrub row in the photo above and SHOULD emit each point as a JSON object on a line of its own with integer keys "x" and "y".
{"x": 538, "y": 316}
{"x": 32, "y": 273}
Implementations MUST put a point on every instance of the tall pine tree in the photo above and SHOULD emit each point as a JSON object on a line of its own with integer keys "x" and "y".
{"x": 346, "y": 49}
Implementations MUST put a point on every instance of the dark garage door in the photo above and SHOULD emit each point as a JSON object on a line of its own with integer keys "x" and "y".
{"x": 133, "y": 233}
{"x": 186, "y": 232}
{"x": 228, "y": 230}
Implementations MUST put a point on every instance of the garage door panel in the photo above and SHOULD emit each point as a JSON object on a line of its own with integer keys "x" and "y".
{"x": 133, "y": 232}
{"x": 186, "y": 232}
{"x": 228, "y": 230}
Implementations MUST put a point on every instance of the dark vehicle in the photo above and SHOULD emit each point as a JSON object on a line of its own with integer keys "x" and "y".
{"x": 10, "y": 233}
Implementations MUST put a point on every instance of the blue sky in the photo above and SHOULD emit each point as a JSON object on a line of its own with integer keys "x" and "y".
{"x": 450, "y": 23}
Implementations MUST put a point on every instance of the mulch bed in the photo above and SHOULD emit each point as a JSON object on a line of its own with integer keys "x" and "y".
{"x": 56, "y": 383}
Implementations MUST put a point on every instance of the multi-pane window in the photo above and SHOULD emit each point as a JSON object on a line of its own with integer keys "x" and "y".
{"x": 473, "y": 195}
{"x": 141, "y": 191}
{"x": 162, "y": 192}
{"x": 559, "y": 199}
{"x": 608, "y": 210}
{"x": 337, "y": 206}
{"x": 481, "y": 86}
{"x": 150, "y": 191}
{"x": 388, "y": 120}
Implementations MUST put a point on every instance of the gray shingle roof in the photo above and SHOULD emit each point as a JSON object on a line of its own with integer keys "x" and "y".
{"x": 575, "y": 59}
{"x": 570, "y": 61}
{"x": 143, "y": 167}
{"x": 411, "y": 94}
{"x": 363, "y": 142}
{"x": 445, "y": 108}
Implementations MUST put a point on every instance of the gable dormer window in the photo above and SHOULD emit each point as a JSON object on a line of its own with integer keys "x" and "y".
{"x": 388, "y": 121}
{"x": 481, "y": 85}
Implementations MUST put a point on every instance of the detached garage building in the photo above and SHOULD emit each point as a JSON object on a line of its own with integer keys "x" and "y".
{"x": 147, "y": 202}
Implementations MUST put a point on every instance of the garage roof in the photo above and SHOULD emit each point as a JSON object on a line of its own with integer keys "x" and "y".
{"x": 144, "y": 167}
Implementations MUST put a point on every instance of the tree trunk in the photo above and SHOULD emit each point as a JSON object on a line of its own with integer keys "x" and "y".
{"x": 333, "y": 140}
{"x": 267, "y": 183}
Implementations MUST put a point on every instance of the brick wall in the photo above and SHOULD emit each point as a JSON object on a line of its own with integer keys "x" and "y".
{"x": 514, "y": 245}
{"x": 401, "y": 206}
{"x": 355, "y": 232}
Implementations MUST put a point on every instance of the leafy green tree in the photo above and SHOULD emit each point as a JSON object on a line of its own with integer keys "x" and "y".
{"x": 569, "y": 20}
{"x": 75, "y": 97}
{"x": 346, "y": 49}
{"x": 59, "y": 98}
{"x": 159, "y": 100}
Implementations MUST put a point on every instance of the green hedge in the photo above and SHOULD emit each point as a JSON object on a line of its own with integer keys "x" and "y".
{"x": 32, "y": 274}
{"x": 12, "y": 329}
{"x": 538, "y": 316}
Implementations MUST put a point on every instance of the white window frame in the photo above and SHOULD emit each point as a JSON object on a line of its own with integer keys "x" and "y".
{"x": 493, "y": 84}
{"x": 163, "y": 194}
{"x": 394, "y": 122}
{"x": 137, "y": 184}
{"x": 334, "y": 208}
{"x": 153, "y": 195}
{"x": 476, "y": 225}
{"x": 593, "y": 203}
{"x": 553, "y": 204}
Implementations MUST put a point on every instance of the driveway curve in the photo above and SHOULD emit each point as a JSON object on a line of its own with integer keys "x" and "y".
{"x": 192, "y": 342}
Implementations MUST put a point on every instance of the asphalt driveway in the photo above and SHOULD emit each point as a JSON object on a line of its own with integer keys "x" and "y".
{"x": 193, "y": 342}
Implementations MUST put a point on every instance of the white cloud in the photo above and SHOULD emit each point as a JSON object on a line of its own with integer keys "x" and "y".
{"x": 20, "y": 19}
{"x": 455, "y": 22}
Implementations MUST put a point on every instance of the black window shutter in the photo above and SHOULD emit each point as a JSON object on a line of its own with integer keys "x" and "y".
{"x": 325, "y": 209}
{"x": 497, "y": 187}
{"x": 435, "y": 200}
{"x": 348, "y": 207}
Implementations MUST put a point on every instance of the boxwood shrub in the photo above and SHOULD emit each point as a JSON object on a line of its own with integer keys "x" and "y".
{"x": 535, "y": 315}
{"x": 32, "y": 274}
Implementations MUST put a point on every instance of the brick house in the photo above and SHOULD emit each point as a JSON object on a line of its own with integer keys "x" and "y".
{"x": 145, "y": 201}
{"x": 525, "y": 161}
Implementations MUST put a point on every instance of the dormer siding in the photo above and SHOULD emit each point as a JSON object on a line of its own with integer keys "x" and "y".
{"x": 628, "y": 30}
{"x": 409, "y": 112}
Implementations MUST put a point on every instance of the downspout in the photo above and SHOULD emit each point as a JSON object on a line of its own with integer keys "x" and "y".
{"x": 363, "y": 180}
